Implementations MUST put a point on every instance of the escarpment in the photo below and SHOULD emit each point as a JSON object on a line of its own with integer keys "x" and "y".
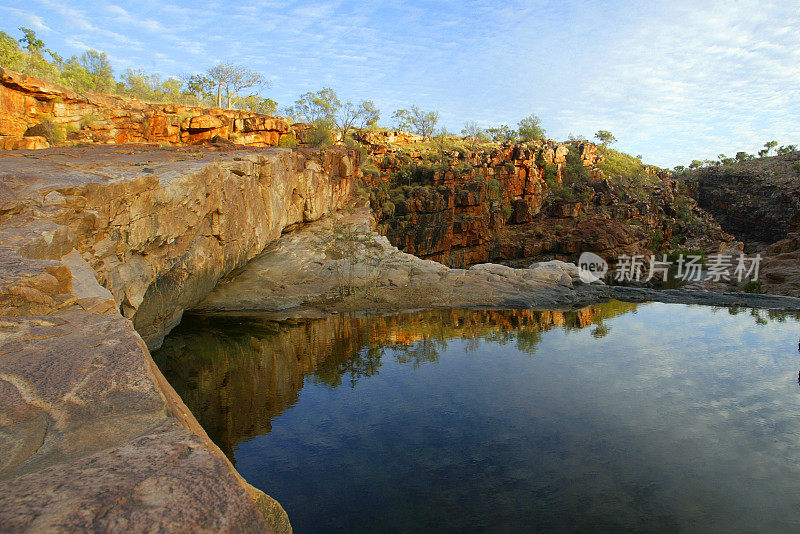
{"x": 160, "y": 227}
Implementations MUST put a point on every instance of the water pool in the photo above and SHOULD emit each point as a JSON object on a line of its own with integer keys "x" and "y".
{"x": 618, "y": 417}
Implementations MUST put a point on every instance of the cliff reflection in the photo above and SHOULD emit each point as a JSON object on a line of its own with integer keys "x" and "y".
{"x": 237, "y": 374}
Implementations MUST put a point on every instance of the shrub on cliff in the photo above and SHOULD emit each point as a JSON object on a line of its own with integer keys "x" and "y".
{"x": 574, "y": 167}
{"x": 288, "y": 141}
{"x": 624, "y": 169}
{"x": 322, "y": 135}
{"x": 49, "y": 130}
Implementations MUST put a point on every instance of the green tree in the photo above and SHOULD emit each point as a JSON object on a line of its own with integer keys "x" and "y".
{"x": 368, "y": 116}
{"x": 530, "y": 128}
{"x": 605, "y": 137}
{"x": 99, "y": 69}
{"x": 11, "y": 56}
{"x": 318, "y": 107}
{"x": 139, "y": 84}
{"x": 502, "y": 134}
{"x": 33, "y": 44}
{"x": 769, "y": 145}
{"x": 257, "y": 104}
{"x": 741, "y": 156}
{"x": 200, "y": 88}
{"x": 417, "y": 121}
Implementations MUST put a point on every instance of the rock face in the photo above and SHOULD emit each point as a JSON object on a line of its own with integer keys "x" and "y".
{"x": 757, "y": 201}
{"x": 520, "y": 202}
{"x": 160, "y": 227}
{"x": 26, "y": 102}
{"x": 91, "y": 435}
{"x": 780, "y": 270}
{"x": 301, "y": 270}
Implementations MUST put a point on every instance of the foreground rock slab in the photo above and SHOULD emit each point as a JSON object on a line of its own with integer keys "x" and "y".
{"x": 99, "y": 248}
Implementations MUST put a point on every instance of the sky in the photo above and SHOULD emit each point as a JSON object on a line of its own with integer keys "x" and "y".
{"x": 673, "y": 80}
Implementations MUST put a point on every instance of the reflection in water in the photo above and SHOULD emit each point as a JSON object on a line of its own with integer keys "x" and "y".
{"x": 615, "y": 417}
{"x": 237, "y": 373}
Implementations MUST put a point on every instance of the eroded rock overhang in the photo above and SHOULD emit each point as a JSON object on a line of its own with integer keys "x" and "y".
{"x": 101, "y": 249}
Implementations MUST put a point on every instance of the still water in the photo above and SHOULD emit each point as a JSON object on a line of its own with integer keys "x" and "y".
{"x": 619, "y": 417}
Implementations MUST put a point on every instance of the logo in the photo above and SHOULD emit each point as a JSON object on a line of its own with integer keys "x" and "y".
{"x": 591, "y": 267}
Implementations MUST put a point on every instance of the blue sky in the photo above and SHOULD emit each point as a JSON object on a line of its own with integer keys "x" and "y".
{"x": 674, "y": 80}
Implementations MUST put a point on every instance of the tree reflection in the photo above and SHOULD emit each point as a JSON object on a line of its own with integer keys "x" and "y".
{"x": 237, "y": 373}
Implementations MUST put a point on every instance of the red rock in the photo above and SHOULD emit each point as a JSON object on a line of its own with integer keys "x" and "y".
{"x": 101, "y": 118}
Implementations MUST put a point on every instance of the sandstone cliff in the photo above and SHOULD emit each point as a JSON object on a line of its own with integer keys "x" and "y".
{"x": 31, "y": 108}
{"x": 160, "y": 227}
{"x": 91, "y": 435}
{"x": 518, "y": 203}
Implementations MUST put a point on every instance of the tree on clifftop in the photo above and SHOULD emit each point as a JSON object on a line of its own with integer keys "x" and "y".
{"x": 233, "y": 79}
{"x": 769, "y": 146}
{"x": 318, "y": 107}
{"x": 90, "y": 72}
{"x": 364, "y": 115}
{"x": 474, "y": 133}
{"x": 530, "y": 128}
{"x": 33, "y": 44}
{"x": 416, "y": 120}
{"x": 605, "y": 137}
{"x": 502, "y": 133}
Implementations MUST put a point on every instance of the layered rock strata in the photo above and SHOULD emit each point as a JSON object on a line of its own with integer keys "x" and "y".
{"x": 305, "y": 271}
{"x": 102, "y": 248}
{"x": 525, "y": 202}
{"x": 29, "y": 107}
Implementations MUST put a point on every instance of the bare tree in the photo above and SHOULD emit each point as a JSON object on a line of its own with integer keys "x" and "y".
{"x": 363, "y": 115}
{"x": 474, "y": 133}
{"x": 233, "y": 79}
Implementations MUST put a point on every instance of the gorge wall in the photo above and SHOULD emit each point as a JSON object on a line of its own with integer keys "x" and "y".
{"x": 95, "y": 241}
{"x": 530, "y": 201}
{"x": 757, "y": 200}
{"x": 160, "y": 227}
